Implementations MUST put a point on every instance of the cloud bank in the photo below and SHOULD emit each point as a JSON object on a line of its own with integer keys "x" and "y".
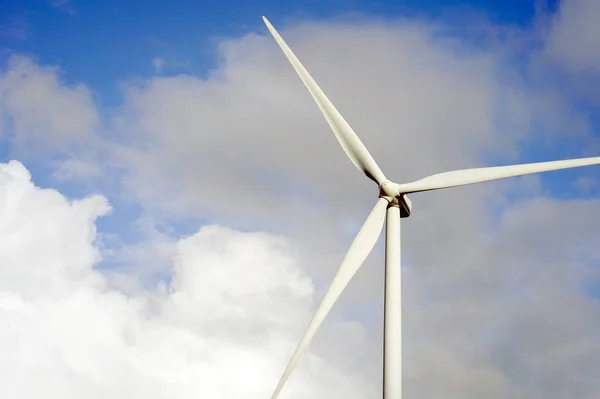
{"x": 228, "y": 315}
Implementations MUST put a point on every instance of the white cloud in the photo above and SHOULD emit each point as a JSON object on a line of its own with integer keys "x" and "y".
{"x": 51, "y": 267}
{"x": 222, "y": 328}
{"x": 574, "y": 36}
{"x": 253, "y": 130}
{"x": 45, "y": 119}
{"x": 39, "y": 107}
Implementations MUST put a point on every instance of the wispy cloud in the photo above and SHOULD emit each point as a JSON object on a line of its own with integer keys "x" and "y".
{"x": 15, "y": 26}
{"x": 586, "y": 183}
{"x": 158, "y": 64}
{"x": 63, "y": 5}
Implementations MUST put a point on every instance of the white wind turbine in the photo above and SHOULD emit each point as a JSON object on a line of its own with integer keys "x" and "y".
{"x": 394, "y": 202}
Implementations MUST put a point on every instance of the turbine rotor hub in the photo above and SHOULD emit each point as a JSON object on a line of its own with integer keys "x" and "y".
{"x": 388, "y": 189}
{"x": 391, "y": 192}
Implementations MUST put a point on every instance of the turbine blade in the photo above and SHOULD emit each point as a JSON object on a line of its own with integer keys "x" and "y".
{"x": 359, "y": 250}
{"x": 354, "y": 148}
{"x": 477, "y": 175}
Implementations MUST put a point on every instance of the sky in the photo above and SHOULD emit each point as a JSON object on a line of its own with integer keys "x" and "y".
{"x": 173, "y": 205}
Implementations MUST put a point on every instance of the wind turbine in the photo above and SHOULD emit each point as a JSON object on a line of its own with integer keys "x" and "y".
{"x": 393, "y": 204}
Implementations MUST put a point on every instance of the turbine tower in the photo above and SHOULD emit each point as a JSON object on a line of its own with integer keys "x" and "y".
{"x": 392, "y": 205}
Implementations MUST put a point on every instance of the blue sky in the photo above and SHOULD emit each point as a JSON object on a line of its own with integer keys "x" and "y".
{"x": 103, "y": 42}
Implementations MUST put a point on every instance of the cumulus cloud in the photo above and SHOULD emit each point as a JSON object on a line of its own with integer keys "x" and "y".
{"x": 221, "y": 328}
{"x": 25, "y": 229}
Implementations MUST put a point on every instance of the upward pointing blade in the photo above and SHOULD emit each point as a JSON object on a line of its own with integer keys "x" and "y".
{"x": 359, "y": 250}
{"x": 349, "y": 141}
{"x": 468, "y": 176}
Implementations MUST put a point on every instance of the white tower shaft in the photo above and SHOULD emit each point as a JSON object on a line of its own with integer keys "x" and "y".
{"x": 392, "y": 330}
